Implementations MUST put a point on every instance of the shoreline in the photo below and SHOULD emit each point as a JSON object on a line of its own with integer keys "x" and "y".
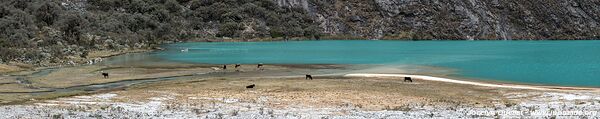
{"x": 112, "y": 53}
{"x": 446, "y": 81}
{"x": 343, "y": 97}
{"x": 222, "y": 92}
{"x": 476, "y": 83}
{"x": 103, "y": 54}
{"x": 355, "y": 73}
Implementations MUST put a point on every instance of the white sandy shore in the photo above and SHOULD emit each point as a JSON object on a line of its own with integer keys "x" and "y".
{"x": 431, "y": 78}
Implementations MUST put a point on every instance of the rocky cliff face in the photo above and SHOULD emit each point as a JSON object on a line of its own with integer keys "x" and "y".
{"x": 456, "y": 19}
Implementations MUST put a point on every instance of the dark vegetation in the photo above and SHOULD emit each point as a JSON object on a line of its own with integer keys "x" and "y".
{"x": 54, "y": 31}
{"x": 58, "y": 31}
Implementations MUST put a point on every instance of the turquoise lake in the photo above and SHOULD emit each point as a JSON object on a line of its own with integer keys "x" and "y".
{"x": 566, "y": 63}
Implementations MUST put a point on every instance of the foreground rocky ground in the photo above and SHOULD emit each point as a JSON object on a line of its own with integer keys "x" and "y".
{"x": 147, "y": 89}
{"x": 325, "y": 97}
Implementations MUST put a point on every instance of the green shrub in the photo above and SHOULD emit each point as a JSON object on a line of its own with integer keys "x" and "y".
{"x": 33, "y": 26}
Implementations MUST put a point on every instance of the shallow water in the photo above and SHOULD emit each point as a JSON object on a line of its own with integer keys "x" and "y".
{"x": 567, "y": 63}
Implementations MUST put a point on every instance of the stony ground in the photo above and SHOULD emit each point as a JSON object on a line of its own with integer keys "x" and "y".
{"x": 326, "y": 97}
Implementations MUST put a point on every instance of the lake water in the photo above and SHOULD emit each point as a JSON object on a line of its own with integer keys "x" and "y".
{"x": 567, "y": 63}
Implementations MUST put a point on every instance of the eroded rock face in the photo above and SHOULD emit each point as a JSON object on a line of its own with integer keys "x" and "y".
{"x": 456, "y": 19}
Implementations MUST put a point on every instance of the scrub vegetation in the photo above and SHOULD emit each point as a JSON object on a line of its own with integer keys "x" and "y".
{"x": 50, "y": 31}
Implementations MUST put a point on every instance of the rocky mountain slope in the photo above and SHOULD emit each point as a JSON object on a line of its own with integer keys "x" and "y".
{"x": 50, "y": 31}
{"x": 456, "y": 19}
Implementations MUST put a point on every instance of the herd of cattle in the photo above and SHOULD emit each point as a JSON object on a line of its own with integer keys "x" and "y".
{"x": 259, "y": 66}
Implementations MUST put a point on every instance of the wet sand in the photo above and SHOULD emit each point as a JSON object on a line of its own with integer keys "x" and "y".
{"x": 486, "y": 84}
{"x": 43, "y": 84}
{"x": 49, "y": 83}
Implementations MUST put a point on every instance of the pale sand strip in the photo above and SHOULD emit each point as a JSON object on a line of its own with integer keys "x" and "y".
{"x": 431, "y": 78}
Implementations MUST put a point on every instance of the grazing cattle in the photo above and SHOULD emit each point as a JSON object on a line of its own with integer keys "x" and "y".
{"x": 237, "y": 65}
{"x": 408, "y": 79}
{"x": 309, "y": 77}
{"x": 250, "y": 86}
{"x": 259, "y": 65}
{"x": 105, "y": 75}
{"x": 224, "y": 66}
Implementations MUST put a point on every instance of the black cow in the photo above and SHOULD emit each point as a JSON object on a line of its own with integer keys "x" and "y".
{"x": 408, "y": 79}
{"x": 105, "y": 75}
{"x": 308, "y": 77}
{"x": 259, "y": 65}
{"x": 250, "y": 86}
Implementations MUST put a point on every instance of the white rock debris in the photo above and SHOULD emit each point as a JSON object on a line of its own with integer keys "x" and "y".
{"x": 532, "y": 105}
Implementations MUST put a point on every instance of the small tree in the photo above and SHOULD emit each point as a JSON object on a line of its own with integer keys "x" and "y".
{"x": 47, "y": 13}
{"x": 276, "y": 32}
{"x": 72, "y": 26}
{"x": 4, "y": 12}
{"x": 21, "y": 4}
{"x": 173, "y": 6}
{"x": 229, "y": 29}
